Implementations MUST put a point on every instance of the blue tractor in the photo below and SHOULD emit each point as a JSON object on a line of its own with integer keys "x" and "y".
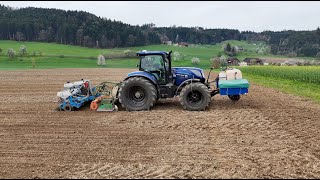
{"x": 156, "y": 79}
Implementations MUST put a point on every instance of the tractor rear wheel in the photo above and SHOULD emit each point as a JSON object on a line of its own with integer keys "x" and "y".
{"x": 136, "y": 94}
{"x": 234, "y": 97}
{"x": 195, "y": 97}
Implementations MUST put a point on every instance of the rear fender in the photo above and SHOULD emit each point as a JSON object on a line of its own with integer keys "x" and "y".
{"x": 184, "y": 83}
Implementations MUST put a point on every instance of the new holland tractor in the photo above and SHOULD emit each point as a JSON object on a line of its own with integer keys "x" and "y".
{"x": 154, "y": 80}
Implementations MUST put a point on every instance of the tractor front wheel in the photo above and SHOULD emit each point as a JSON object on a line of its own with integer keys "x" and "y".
{"x": 137, "y": 94}
{"x": 195, "y": 97}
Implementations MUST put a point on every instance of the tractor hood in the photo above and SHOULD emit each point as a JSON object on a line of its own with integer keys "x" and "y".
{"x": 182, "y": 74}
{"x": 189, "y": 71}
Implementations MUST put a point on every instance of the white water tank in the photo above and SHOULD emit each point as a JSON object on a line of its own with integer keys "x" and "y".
{"x": 64, "y": 94}
{"x": 68, "y": 85}
{"x": 222, "y": 75}
{"x": 233, "y": 74}
{"x": 78, "y": 83}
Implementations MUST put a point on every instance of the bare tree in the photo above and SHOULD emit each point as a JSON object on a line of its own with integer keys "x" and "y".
{"x": 164, "y": 38}
{"x": 128, "y": 53}
{"x": 318, "y": 55}
{"x": 43, "y": 35}
{"x": 101, "y": 60}
{"x": 104, "y": 41}
{"x": 79, "y": 36}
{"x": 176, "y": 56}
{"x": 195, "y": 60}
{"x": 223, "y": 60}
{"x": 23, "y": 50}
{"x": 215, "y": 62}
{"x": 20, "y": 36}
{"x": 11, "y": 53}
{"x": 87, "y": 41}
{"x": 131, "y": 40}
{"x": 177, "y": 38}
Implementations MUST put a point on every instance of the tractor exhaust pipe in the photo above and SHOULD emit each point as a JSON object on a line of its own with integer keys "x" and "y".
{"x": 209, "y": 75}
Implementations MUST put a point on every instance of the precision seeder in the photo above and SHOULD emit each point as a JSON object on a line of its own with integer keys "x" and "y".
{"x": 75, "y": 95}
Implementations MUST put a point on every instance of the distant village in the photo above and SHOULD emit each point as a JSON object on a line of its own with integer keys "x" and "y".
{"x": 252, "y": 60}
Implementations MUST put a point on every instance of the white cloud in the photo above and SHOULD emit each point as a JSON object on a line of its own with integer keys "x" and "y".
{"x": 242, "y": 15}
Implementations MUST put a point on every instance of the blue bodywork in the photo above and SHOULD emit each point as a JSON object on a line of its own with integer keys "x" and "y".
{"x": 76, "y": 102}
{"x": 181, "y": 74}
{"x": 233, "y": 91}
{"x": 143, "y": 74}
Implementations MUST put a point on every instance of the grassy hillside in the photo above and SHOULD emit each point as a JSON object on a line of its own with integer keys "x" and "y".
{"x": 51, "y": 55}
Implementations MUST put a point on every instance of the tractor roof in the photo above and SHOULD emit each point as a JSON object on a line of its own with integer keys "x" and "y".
{"x": 145, "y": 53}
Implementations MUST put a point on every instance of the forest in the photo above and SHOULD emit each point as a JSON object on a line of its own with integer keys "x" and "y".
{"x": 85, "y": 29}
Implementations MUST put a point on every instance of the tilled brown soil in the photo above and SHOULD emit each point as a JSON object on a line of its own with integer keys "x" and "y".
{"x": 267, "y": 134}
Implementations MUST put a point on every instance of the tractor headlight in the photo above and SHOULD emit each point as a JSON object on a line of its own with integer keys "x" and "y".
{"x": 197, "y": 73}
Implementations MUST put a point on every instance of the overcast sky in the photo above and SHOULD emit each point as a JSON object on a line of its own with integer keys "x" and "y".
{"x": 242, "y": 15}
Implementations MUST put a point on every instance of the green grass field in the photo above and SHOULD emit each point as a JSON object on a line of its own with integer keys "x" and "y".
{"x": 287, "y": 79}
{"x": 82, "y": 57}
{"x": 309, "y": 74}
{"x": 301, "y": 81}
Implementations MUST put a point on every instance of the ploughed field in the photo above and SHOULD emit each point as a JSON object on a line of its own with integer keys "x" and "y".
{"x": 267, "y": 134}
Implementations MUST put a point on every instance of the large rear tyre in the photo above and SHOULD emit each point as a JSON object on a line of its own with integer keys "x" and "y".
{"x": 137, "y": 94}
{"x": 195, "y": 97}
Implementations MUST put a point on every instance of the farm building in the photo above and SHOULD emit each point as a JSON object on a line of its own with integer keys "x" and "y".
{"x": 253, "y": 61}
{"x": 185, "y": 44}
{"x": 233, "y": 61}
{"x": 167, "y": 42}
{"x": 290, "y": 63}
{"x": 243, "y": 64}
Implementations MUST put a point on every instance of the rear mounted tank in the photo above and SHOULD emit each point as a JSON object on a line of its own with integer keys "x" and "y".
{"x": 231, "y": 83}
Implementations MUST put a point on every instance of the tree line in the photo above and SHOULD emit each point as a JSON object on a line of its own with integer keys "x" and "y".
{"x": 70, "y": 27}
{"x": 85, "y": 29}
{"x": 294, "y": 43}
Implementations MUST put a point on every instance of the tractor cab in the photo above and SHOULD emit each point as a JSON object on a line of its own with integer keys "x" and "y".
{"x": 156, "y": 63}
